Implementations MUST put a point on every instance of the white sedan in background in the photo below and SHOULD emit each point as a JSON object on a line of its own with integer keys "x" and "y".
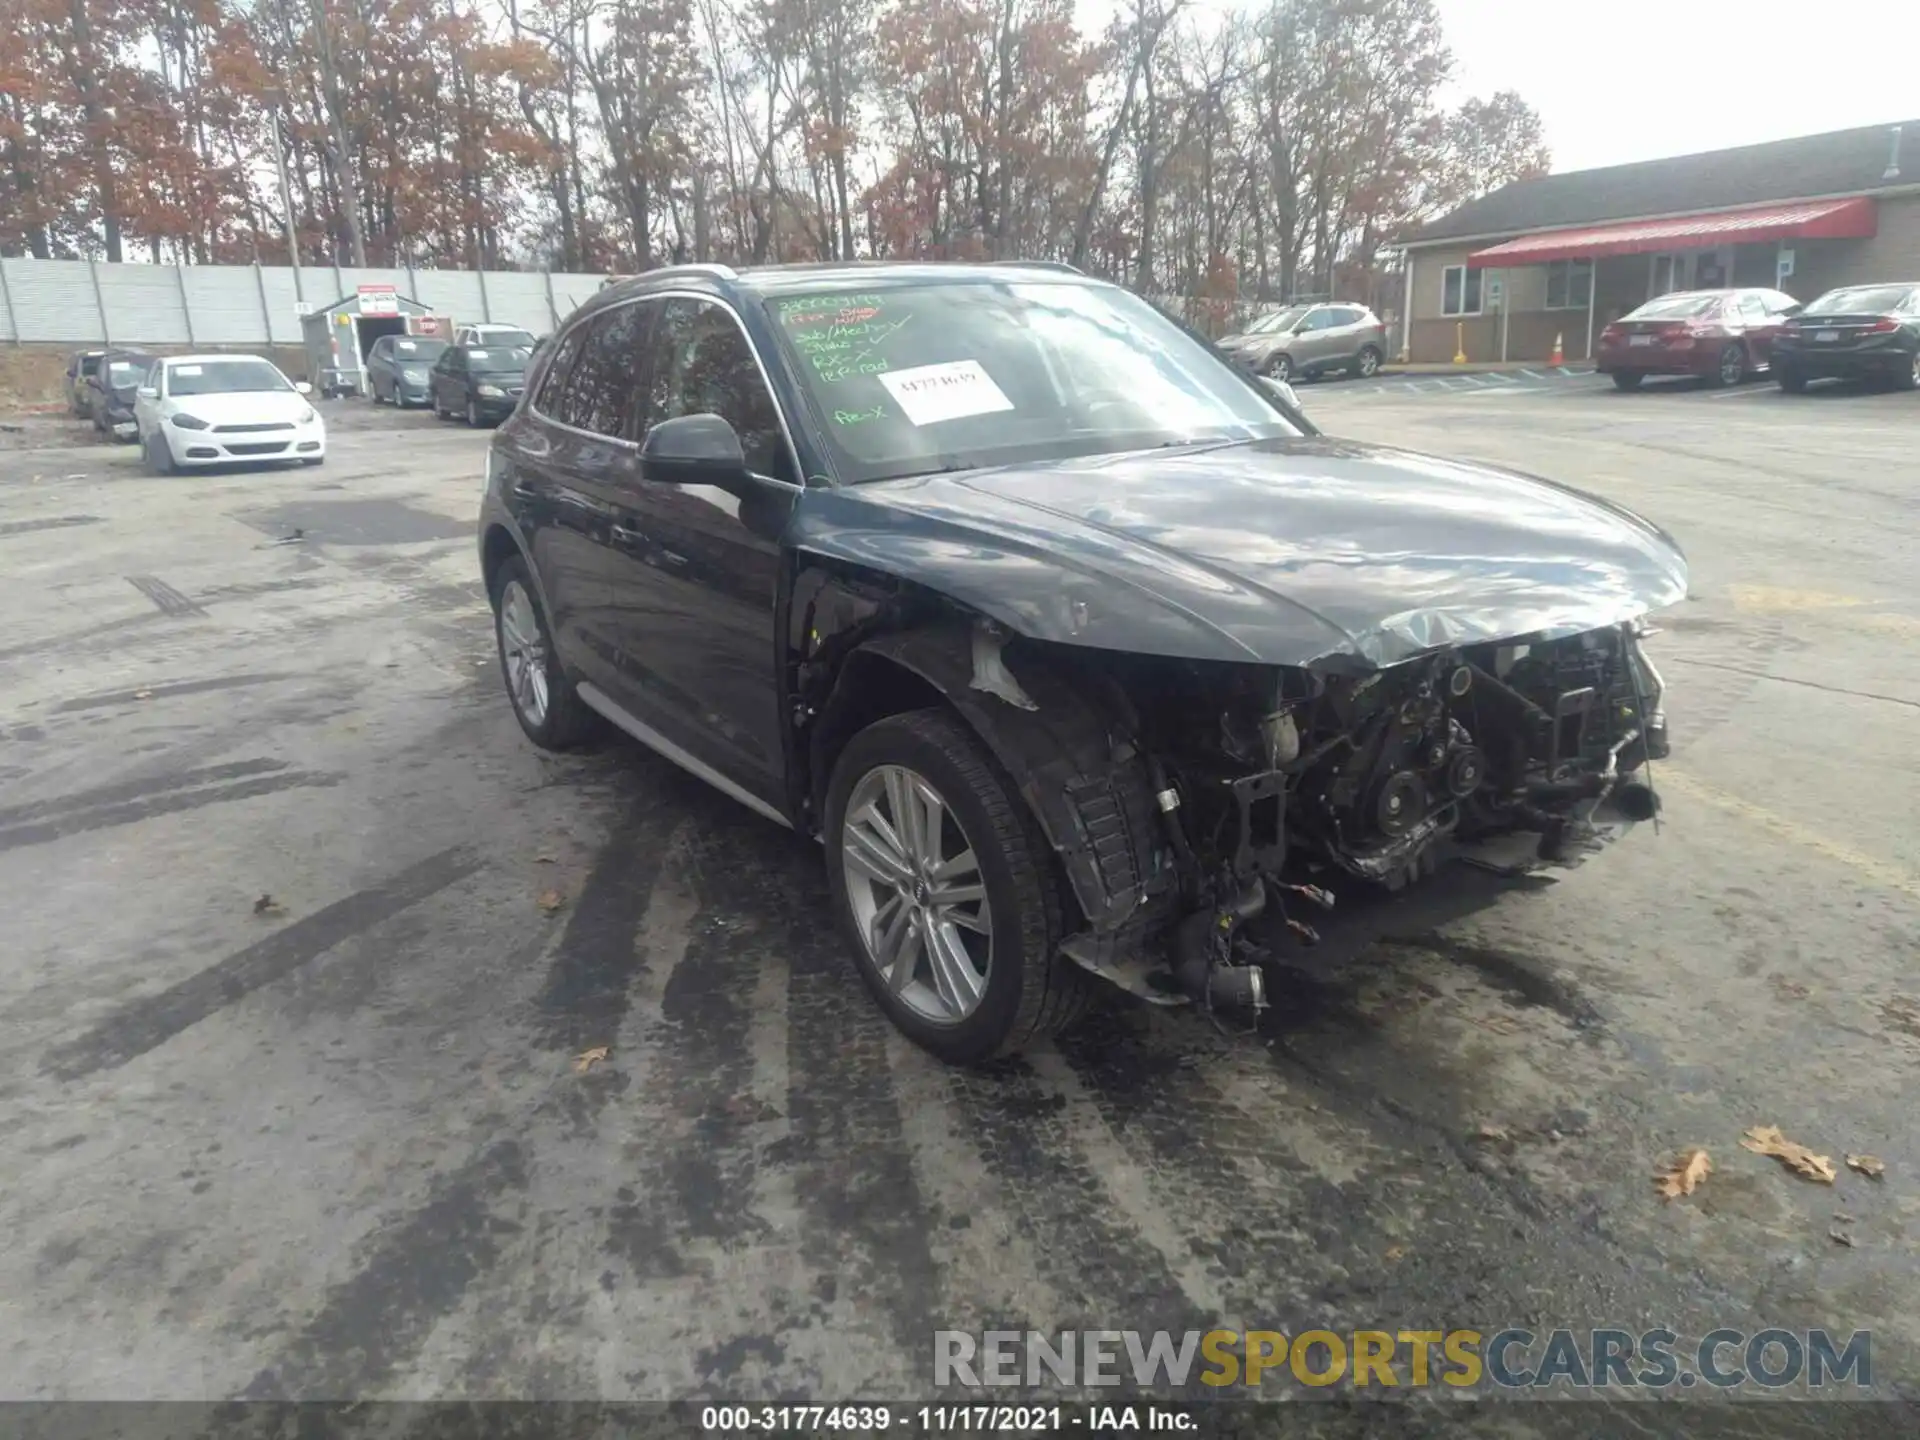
{"x": 224, "y": 409}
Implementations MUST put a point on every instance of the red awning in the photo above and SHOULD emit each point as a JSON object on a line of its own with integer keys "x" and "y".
{"x": 1810, "y": 220}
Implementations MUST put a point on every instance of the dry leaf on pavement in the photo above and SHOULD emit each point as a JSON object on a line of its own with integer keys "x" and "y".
{"x": 544, "y": 859}
{"x": 143, "y": 694}
{"x": 1767, "y": 1140}
{"x": 1684, "y": 1175}
{"x": 1840, "y": 1237}
{"x": 551, "y": 900}
{"x": 267, "y": 905}
{"x": 1871, "y": 1166}
{"x": 587, "y": 1059}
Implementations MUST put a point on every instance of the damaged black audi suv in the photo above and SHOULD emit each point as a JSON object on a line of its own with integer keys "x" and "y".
{"x": 1076, "y": 646}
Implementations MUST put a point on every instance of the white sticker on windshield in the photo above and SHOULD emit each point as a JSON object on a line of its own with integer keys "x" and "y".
{"x": 187, "y": 370}
{"x": 932, "y": 393}
{"x": 476, "y": 354}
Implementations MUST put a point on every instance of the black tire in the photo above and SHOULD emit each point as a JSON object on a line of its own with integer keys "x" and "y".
{"x": 1907, "y": 378}
{"x": 1791, "y": 381}
{"x": 1367, "y": 363}
{"x": 1729, "y": 367}
{"x": 473, "y": 413}
{"x": 1278, "y": 367}
{"x": 1032, "y": 991}
{"x": 568, "y": 723}
{"x": 154, "y": 450}
{"x": 1627, "y": 379}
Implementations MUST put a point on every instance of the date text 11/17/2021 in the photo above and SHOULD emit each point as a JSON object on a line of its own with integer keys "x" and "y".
{"x": 942, "y": 1419}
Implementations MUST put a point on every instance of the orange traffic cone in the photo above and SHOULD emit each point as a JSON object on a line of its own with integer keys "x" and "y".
{"x": 1559, "y": 356}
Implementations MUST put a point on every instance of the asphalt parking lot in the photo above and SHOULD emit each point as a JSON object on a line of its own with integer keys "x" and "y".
{"x": 305, "y": 938}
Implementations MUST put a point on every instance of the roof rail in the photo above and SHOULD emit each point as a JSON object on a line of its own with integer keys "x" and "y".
{"x": 1041, "y": 265}
{"x": 724, "y": 272}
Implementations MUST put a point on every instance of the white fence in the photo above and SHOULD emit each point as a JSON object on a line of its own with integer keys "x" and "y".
{"x": 85, "y": 302}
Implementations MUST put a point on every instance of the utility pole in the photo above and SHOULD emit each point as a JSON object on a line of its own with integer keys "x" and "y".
{"x": 286, "y": 192}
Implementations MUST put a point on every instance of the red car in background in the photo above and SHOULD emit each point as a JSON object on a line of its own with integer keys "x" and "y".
{"x": 1721, "y": 336}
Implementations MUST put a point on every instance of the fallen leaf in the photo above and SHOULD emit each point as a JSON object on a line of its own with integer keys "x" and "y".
{"x": 544, "y": 860}
{"x": 1491, "y": 1133}
{"x": 1767, "y": 1140}
{"x": 1499, "y": 1024}
{"x": 1394, "y": 1252}
{"x": 1790, "y": 989}
{"x": 143, "y": 694}
{"x": 1684, "y": 1175}
{"x": 1871, "y": 1166}
{"x": 551, "y": 900}
{"x": 1843, "y": 1217}
{"x": 267, "y": 905}
{"x": 1840, "y": 1237}
{"x": 587, "y": 1059}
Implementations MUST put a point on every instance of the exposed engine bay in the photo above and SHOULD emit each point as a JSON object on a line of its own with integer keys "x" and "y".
{"x": 1265, "y": 775}
{"x": 1187, "y": 797}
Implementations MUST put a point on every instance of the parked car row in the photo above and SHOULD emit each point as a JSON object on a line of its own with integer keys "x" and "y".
{"x": 193, "y": 410}
{"x": 1859, "y": 332}
{"x": 478, "y": 378}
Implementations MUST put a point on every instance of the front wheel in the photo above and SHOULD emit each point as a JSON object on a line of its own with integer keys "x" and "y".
{"x": 1280, "y": 367}
{"x": 473, "y": 413}
{"x": 1791, "y": 381}
{"x": 544, "y": 700}
{"x": 944, "y": 886}
{"x": 158, "y": 454}
{"x": 1627, "y": 379}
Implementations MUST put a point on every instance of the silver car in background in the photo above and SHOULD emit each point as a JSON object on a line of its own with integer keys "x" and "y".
{"x": 1303, "y": 341}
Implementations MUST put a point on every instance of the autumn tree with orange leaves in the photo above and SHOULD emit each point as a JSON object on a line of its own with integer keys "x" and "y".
{"x": 1268, "y": 154}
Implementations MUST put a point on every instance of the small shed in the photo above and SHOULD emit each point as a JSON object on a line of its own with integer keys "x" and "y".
{"x": 338, "y": 336}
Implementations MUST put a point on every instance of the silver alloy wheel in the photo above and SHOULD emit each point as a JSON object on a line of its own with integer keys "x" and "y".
{"x": 524, "y": 650}
{"x": 917, "y": 894}
{"x": 1280, "y": 367}
{"x": 1369, "y": 362}
{"x": 1733, "y": 365}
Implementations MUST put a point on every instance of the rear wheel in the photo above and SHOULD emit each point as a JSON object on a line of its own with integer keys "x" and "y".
{"x": 1729, "y": 367}
{"x": 1627, "y": 379}
{"x": 1788, "y": 379}
{"x": 943, "y": 884}
{"x": 1908, "y": 378}
{"x": 1367, "y": 364}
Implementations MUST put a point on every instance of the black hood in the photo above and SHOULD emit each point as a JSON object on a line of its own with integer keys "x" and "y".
{"x": 1307, "y": 551}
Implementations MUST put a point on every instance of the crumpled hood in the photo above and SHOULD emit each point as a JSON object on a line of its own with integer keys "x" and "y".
{"x": 1308, "y": 551}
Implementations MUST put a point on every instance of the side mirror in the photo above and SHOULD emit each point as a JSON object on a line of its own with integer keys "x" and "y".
{"x": 1792, "y": 310}
{"x": 693, "y": 450}
{"x": 1283, "y": 392}
{"x": 147, "y": 392}
{"x": 301, "y": 387}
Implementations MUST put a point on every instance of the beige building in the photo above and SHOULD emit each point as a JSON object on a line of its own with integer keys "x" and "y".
{"x": 1504, "y": 277}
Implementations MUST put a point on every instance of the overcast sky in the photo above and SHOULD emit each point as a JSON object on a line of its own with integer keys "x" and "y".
{"x": 1623, "y": 80}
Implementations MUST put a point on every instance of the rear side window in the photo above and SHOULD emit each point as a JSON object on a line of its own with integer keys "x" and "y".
{"x": 1752, "y": 307}
{"x": 595, "y": 374}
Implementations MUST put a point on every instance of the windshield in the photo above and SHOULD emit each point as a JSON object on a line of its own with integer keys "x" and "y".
{"x": 125, "y": 370}
{"x": 224, "y": 377}
{"x": 930, "y": 377}
{"x": 1872, "y": 300}
{"x": 498, "y": 362}
{"x": 1278, "y": 320}
{"x": 418, "y": 352}
{"x": 1676, "y": 307}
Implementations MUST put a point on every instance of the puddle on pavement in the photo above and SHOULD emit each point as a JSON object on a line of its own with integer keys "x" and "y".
{"x": 355, "y": 522}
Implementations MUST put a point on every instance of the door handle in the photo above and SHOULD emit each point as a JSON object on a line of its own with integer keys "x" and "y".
{"x": 621, "y": 532}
